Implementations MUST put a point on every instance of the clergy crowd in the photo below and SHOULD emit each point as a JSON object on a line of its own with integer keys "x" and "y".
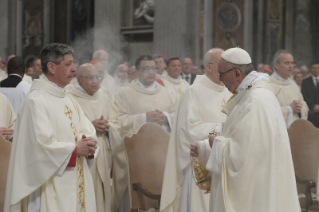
{"x": 67, "y": 123}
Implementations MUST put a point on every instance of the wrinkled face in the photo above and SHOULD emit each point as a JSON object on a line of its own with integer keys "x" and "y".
{"x": 132, "y": 73}
{"x": 230, "y": 77}
{"x": 122, "y": 73}
{"x": 147, "y": 72}
{"x": 100, "y": 70}
{"x": 285, "y": 65}
{"x": 103, "y": 58}
{"x": 89, "y": 79}
{"x": 37, "y": 67}
{"x": 315, "y": 70}
{"x": 174, "y": 68}
{"x": 187, "y": 65}
{"x": 62, "y": 73}
{"x": 160, "y": 65}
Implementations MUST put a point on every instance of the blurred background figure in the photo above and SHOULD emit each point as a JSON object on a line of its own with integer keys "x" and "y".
{"x": 132, "y": 73}
{"x": 304, "y": 71}
{"x": 298, "y": 79}
{"x": 160, "y": 65}
{"x": 121, "y": 76}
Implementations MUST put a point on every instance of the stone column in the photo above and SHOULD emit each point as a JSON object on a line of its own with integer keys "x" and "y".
{"x": 107, "y": 31}
{"x": 4, "y": 29}
{"x": 209, "y": 25}
{"x": 302, "y": 49}
{"x": 248, "y": 26}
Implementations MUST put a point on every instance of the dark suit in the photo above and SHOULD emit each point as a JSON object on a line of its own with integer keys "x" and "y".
{"x": 311, "y": 96}
{"x": 11, "y": 81}
{"x": 193, "y": 76}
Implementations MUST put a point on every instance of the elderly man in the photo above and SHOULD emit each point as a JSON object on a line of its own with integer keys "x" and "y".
{"x": 108, "y": 83}
{"x": 53, "y": 142}
{"x": 198, "y": 114}
{"x": 100, "y": 110}
{"x": 144, "y": 100}
{"x": 160, "y": 65}
{"x": 132, "y": 73}
{"x": 121, "y": 77}
{"x": 187, "y": 75}
{"x": 310, "y": 91}
{"x": 254, "y": 145}
{"x": 292, "y": 104}
{"x": 173, "y": 80}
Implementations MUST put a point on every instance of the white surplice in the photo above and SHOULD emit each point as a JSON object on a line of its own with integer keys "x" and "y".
{"x": 252, "y": 159}
{"x": 47, "y": 128}
{"x": 198, "y": 114}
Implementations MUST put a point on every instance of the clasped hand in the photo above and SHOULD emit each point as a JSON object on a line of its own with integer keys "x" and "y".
{"x": 193, "y": 147}
{"x": 296, "y": 106}
{"x": 6, "y": 132}
{"x": 101, "y": 125}
{"x": 86, "y": 146}
{"x": 156, "y": 116}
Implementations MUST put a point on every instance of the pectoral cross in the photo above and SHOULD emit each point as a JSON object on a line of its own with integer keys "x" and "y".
{"x": 68, "y": 112}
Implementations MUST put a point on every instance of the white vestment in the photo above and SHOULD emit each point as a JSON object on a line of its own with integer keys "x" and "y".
{"x": 252, "y": 159}
{"x": 94, "y": 106}
{"x": 198, "y": 114}
{"x": 27, "y": 79}
{"x": 47, "y": 128}
{"x": 175, "y": 86}
{"x": 290, "y": 92}
{"x": 108, "y": 85}
{"x": 133, "y": 102}
{"x": 7, "y": 115}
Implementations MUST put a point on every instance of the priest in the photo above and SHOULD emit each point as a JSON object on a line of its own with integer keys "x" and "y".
{"x": 142, "y": 101}
{"x": 291, "y": 101}
{"x": 7, "y": 117}
{"x": 100, "y": 110}
{"x": 53, "y": 144}
{"x": 251, "y": 158}
{"x": 173, "y": 80}
{"x": 198, "y": 114}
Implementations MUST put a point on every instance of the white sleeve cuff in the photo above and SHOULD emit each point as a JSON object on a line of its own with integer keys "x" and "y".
{"x": 216, "y": 155}
{"x": 290, "y": 116}
{"x": 169, "y": 120}
{"x": 144, "y": 118}
{"x": 63, "y": 167}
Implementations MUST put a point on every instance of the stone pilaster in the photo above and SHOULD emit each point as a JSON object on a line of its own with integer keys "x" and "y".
{"x": 4, "y": 28}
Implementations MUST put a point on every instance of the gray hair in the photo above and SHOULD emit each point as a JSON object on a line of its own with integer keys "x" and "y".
{"x": 54, "y": 53}
{"x": 276, "y": 56}
{"x": 207, "y": 58}
{"x": 96, "y": 53}
{"x": 245, "y": 69}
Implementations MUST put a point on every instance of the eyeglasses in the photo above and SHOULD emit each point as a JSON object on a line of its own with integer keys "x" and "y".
{"x": 91, "y": 78}
{"x": 148, "y": 68}
{"x": 221, "y": 74}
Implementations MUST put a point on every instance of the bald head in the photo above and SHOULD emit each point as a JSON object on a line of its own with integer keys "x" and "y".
{"x": 211, "y": 61}
{"x": 89, "y": 78}
{"x": 101, "y": 56}
{"x": 86, "y": 67}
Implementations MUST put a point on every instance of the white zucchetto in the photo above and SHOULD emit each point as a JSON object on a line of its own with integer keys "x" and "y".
{"x": 237, "y": 56}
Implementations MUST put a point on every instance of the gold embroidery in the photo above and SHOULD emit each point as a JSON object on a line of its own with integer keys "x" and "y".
{"x": 223, "y": 103}
{"x": 179, "y": 91}
{"x": 79, "y": 164}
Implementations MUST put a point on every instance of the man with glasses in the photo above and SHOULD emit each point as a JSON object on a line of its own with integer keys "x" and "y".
{"x": 100, "y": 110}
{"x": 142, "y": 101}
{"x": 251, "y": 159}
{"x": 173, "y": 80}
{"x": 292, "y": 104}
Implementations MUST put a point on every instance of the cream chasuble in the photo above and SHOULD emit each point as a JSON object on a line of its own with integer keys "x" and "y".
{"x": 27, "y": 79}
{"x": 7, "y": 115}
{"x": 72, "y": 83}
{"x": 198, "y": 114}
{"x": 108, "y": 85}
{"x": 253, "y": 157}
{"x": 290, "y": 92}
{"x": 175, "y": 86}
{"x": 94, "y": 106}
{"x": 133, "y": 102}
{"x": 48, "y": 125}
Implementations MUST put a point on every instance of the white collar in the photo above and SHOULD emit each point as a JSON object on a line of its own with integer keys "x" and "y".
{"x": 276, "y": 76}
{"x": 16, "y": 75}
{"x": 149, "y": 88}
{"x": 315, "y": 78}
{"x": 251, "y": 78}
{"x": 52, "y": 83}
{"x": 79, "y": 87}
{"x": 188, "y": 75}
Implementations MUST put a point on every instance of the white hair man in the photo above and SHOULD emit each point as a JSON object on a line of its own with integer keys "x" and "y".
{"x": 198, "y": 114}
{"x": 253, "y": 146}
{"x": 292, "y": 104}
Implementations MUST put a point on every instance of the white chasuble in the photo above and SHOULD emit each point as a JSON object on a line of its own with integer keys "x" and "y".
{"x": 108, "y": 85}
{"x": 7, "y": 115}
{"x": 95, "y": 106}
{"x": 175, "y": 86}
{"x": 133, "y": 102}
{"x": 199, "y": 113}
{"x": 290, "y": 92}
{"x": 47, "y": 128}
{"x": 253, "y": 156}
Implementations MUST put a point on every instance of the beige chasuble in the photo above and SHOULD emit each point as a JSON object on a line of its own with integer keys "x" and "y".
{"x": 94, "y": 106}
{"x": 108, "y": 85}
{"x": 290, "y": 92}
{"x": 133, "y": 102}
{"x": 175, "y": 86}
{"x": 49, "y": 123}
{"x": 253, "y": 156}
{"x": 7, "y": 115}
{"x": 198, "y": 114}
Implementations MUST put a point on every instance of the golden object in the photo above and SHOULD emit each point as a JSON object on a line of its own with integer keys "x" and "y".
{"x": 213, "y": 133}
{"x": 200, "y": 175}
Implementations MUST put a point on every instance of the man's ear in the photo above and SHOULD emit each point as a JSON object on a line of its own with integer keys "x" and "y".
{"x": 51, "y": 67}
